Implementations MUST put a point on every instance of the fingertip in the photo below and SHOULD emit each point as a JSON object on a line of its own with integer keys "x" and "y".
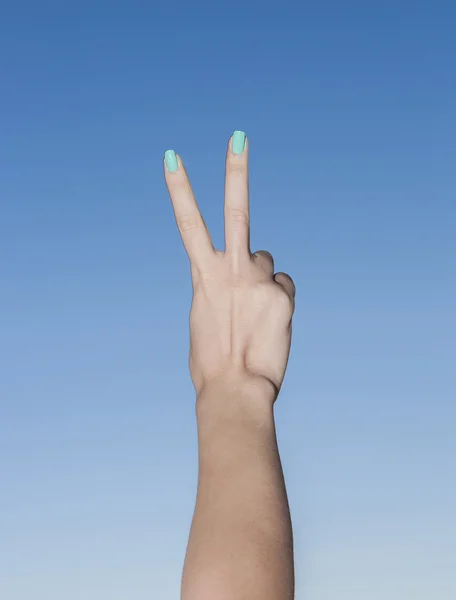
{"x": 171, "y": 161}
{"x": 238, "y": 143}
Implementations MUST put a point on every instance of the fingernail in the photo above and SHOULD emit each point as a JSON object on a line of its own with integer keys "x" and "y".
{"x": 171, "y": 161}
{"x": 238, "y": 142}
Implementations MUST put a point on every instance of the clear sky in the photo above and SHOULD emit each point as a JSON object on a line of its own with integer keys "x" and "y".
{"x": 350, "y": 111}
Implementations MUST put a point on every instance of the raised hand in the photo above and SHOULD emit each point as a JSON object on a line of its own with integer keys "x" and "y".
{"x": 240, "y": 321}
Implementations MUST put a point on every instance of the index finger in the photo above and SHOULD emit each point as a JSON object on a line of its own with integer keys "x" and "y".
{"x": 193, "y": 230}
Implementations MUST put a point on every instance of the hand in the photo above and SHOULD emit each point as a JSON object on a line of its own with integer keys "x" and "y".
{"x": 240, "y": 320}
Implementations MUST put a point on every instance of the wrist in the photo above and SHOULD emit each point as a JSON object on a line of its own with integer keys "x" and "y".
{"x": 240, "y": 394}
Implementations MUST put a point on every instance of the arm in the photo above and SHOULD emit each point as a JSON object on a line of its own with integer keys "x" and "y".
{"x": 240, "y": 544}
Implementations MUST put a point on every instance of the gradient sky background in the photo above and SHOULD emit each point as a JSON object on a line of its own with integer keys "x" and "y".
{"x": 350, "y": 112}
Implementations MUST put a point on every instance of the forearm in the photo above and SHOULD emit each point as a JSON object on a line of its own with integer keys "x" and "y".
{"x": 240, "y": 544}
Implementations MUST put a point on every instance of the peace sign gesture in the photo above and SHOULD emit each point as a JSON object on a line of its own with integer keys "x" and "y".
{"x": 240, "y": 320}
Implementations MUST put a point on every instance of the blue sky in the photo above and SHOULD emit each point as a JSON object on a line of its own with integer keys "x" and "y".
{"x": 349, "y": 109}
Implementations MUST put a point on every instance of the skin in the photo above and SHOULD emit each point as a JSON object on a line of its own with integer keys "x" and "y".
{"x": 240, "y": 544}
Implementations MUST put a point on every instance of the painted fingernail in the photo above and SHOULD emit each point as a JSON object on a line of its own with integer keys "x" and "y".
{"x": 171, "y": 161}
{"x": 238, "y": 142}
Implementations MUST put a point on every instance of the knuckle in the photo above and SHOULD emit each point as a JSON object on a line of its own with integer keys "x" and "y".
{"x": 263, "y": 254}
{"x": 187, "y": 222}
{"x": 239, "y": 215}
{"x": 264, "y": 259}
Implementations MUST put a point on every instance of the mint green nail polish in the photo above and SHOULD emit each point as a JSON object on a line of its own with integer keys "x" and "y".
{"x": 238, "y": 142}
{"x": 171, "y": 161}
